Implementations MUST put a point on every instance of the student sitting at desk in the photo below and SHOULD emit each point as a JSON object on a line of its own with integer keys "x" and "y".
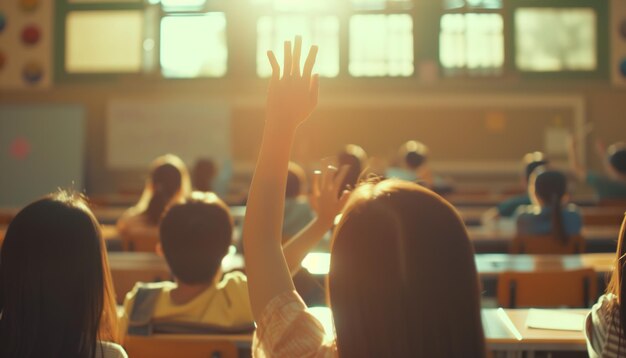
{"x": 611, "y": 185}
{"x": 605, "y": 324}
{"x": 548, "y": 214}
{"x": 56, "y": 296}
{"x": 168, "y": 183}
{"x": 507, "y": 208}
{"x": 194, "y": 238}
{"x": 396, "y": 241}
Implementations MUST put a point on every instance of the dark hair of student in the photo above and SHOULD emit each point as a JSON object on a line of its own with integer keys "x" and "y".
{"x": 616, "y": 285}
{"x": 533, "y": 161}
{"x": 550, "y": 186}
{"x": 354, "y": 157}
{"x": 195, "y": 237}
{"x": 166, "y": 180}
{"x": 296, "y": 179}
{"x": 386, "y": 254}
{"x": 617, "y": 157}
{"x": 414, "y": 154}
{"x": 204, "y": 171}
{"x": 56, "y": 296}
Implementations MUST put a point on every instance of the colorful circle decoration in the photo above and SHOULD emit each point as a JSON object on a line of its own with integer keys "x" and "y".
{"x": 31, "y": 34}
{"x": 622, "y": 29}
{"x": 3, "y": 60}
{"x": 622, "y": 67}
{"x": 32, "y": 72}
{"x": 29, "y": 5}
{"x": 3, "y": 21}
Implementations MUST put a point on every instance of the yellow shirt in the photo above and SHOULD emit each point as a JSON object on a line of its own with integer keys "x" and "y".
{"x": 224, "y": 304}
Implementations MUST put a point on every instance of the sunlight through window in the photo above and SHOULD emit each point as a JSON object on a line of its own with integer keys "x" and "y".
{"x": 194, "y": 45}
{"x": 323, "y": 31}
{"x": 550, "y": 39}
{"x": 472, "y": 42}
{"x": 381, "y": 45}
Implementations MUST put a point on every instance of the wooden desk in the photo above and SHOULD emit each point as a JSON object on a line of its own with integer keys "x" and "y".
{"x": 499, "y": 337}
{"x": 490, "y": 265}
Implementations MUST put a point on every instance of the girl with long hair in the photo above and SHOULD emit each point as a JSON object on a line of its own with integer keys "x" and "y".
{"x": 390, "y": 294}
{"x": 56, "y": 295}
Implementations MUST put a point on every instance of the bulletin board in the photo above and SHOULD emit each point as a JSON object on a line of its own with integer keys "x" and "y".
{"x": 26, "y": 43}
{"x": 140, "y": 130}
{"x": 41, "y": 150}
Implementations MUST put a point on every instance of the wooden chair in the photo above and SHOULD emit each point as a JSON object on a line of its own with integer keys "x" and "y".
{"x": 577, "y": 288}
{"x": 547, "y": 245}
{"x": 139, "y": 243}
{"x": 175, "y": 345}
{"x": 603, "y": 216}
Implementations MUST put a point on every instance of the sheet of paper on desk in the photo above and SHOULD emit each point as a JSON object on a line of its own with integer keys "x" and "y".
{"x": 554, "y": 319}
{"x": 494, "y": 326}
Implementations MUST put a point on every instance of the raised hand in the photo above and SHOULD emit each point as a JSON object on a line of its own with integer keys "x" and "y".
{"x": 325, "y": 198}
{"x": 293, "y": 97}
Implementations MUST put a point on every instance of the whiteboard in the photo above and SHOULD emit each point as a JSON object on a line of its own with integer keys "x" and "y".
{"x": 138, "y": 131}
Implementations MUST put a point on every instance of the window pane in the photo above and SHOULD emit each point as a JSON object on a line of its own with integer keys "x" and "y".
{"x": 381, "y": 45}
{"x": 550, "y": 39}
{"x": 472, "y": 4}
{"x": 194, "y": 46}
{"x": 102, "y": 1}
{"x": 381, "y": 4}
{"x": 472, "y": 42}
{"x": 296, "y": 5}
{"x": 103, "y": 41}
{"x": 323, "y": 31}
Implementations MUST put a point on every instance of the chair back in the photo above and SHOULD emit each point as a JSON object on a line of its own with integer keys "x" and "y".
{"x": 576, "y": 288}
{"x": 175, "y": 345}
{"x": 547, "y": 245}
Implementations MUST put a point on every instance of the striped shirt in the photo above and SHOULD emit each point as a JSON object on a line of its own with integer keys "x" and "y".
{"x": 603, "y": 329}
{"x": 287, "y": 330}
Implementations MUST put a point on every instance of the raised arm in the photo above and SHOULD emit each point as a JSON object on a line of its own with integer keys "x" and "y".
{"x": 574, "y": 160}
{"x": 290, "y": 100}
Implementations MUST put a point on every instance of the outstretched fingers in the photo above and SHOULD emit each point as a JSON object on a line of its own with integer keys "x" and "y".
{"x": 288, "y": 60}
{"x": 310, "y": 61}
{"x": 274, "y": 64}
{"x": 297, "y": 51}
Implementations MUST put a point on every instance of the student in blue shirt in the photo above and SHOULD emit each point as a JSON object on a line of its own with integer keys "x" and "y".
{"x": 612, "y": 184}
{"x": 549, "y": 213}
{"x": 507, "y": 208}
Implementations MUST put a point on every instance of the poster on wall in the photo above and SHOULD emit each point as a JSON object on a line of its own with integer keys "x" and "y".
{"x": 26, "y": 37}
{"x": 140, "y": 130}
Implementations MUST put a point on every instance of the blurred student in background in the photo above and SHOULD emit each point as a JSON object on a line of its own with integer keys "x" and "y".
{"x": 355, "y": 158}
{"x": 56, "y": 295}
{"x": 549, "y": 213}
{"x": 168, "y": 183}
{"x": 610, "y": 186}
{"x": 507, "y": 208}
{"x": 298, "y": 211}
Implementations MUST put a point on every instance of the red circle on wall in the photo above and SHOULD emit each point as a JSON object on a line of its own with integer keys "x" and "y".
{"x": 20, "y": 148}
{"x": 31, "y": 35}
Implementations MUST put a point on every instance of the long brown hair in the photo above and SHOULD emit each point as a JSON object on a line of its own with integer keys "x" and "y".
{"x": 551, "y": 186}
{"x": 403, "y": 281}
{"x": 56, "y": 295}
{"x": 616, "y": 286}
{"x": 169, "y": 180}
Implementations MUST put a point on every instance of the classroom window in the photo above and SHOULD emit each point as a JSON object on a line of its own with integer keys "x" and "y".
{"x": 555, "y": 39}
{"x": 104, "y": 41}
{"x": 471, "y": 43}
{"x": 381, "y": 45}
{"x": 296, "y": 5}
{"x": 173, "y": 5}
{"x": 323, "y": 31}
{"x": 193, "y": 45}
